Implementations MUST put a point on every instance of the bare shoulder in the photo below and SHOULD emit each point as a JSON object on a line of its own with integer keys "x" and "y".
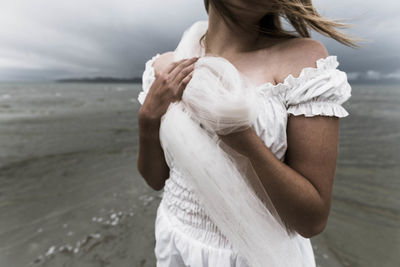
{"x": 297, "y": 54}
{"x": 162, "y": 62}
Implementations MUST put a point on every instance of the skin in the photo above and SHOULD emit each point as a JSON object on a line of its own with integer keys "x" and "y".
{"x": 301, "y": 186}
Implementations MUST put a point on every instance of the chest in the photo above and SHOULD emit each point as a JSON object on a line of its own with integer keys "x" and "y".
{"x": 257, "y": 69}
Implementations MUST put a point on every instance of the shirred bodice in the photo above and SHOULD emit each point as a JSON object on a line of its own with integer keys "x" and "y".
{"x": 184, "y": 206}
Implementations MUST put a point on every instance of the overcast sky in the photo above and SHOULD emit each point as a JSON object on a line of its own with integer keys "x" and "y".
{"x": 47, "y": 39}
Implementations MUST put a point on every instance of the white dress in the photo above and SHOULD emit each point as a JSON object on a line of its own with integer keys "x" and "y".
{"x": 185, "y": 235}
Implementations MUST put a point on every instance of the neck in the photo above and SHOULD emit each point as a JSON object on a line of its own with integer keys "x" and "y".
{"x": 223, "y": 40}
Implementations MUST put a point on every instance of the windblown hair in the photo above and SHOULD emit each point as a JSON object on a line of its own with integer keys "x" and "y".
{"x": 301, "y": 14}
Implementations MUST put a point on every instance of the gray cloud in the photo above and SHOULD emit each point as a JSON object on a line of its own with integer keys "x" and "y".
{"x": 47, "y": 39}
{"x": 379, "y": 58}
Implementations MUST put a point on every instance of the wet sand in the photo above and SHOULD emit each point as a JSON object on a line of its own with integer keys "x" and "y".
{"x": 70, "y": 194}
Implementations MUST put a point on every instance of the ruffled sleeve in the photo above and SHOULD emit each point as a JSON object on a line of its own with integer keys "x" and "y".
{"x": 147, "y": 79}
{"x": 318, "y": 91}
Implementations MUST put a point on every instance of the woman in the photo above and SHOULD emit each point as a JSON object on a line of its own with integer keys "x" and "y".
{"x": 293, "y": 144}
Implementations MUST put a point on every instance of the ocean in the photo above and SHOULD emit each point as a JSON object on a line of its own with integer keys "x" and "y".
{"x": 70, "y": 193}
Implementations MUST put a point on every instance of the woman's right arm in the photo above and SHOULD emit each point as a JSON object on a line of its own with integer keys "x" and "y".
{"x": 170, "y": 81}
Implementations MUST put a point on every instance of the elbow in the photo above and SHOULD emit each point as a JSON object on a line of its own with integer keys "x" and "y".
{"x": 156, "y": 187}
{"x": 155, "y": 184}
{"x": 152, "y": 180}
{"x": 313, "y": 229}
{"x": 315, "y": 226}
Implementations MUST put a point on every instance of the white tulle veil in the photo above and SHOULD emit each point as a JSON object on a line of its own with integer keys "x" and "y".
{"x": 219, "y": 101}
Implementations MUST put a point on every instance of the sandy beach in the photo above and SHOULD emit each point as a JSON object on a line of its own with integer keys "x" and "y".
{"x": 70, "y": 194}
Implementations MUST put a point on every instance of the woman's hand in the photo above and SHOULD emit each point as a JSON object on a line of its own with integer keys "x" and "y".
{"x": 168, "y": 87}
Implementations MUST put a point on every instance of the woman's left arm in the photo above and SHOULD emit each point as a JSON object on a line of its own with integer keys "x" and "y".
{"x": 301, "y": 187}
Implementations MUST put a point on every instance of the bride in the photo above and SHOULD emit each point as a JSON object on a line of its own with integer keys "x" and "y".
{"x": 240, "y": 126}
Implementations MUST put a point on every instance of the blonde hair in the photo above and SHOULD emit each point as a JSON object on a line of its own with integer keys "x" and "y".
{"x": 301, "y": 14}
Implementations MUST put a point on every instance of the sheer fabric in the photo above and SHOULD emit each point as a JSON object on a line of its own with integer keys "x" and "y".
{"x": 220, "y": 99}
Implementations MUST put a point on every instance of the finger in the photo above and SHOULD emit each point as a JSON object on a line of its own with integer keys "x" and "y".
{"x": 180, "y": 67}
{"x": 183, "y": 84}
{"x": 183, "y": 73}
{"x": 173, "y": 65}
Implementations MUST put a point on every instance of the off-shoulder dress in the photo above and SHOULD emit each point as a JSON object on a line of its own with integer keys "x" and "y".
{"x": 185, "y": 235}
